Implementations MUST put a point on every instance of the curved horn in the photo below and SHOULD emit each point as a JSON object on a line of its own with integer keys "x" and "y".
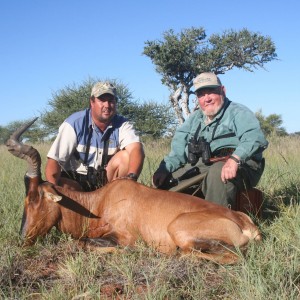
{"x": 30, "y": 154}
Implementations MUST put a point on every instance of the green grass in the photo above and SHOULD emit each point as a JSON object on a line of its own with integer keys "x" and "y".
{"x": 57, "y": 267}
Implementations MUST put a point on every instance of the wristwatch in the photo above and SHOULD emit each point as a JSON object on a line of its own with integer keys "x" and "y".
{"x": 235, "y": 159}
{"x": 132, "y": 176}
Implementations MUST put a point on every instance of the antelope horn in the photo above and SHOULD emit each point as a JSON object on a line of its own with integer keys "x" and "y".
{"x": 26, "y": 152}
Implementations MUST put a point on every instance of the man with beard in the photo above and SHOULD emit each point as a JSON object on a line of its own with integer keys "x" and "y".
{"x": 222, "y": 139}
{"x": 95, "y": 146}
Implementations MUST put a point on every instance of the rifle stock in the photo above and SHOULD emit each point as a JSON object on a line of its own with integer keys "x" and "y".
{"x": 182, "y": 185}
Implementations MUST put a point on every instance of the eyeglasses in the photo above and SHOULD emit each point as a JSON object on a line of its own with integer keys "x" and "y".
{"x": 201, "y": 93}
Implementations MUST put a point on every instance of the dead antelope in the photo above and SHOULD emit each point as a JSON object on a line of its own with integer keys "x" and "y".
{"x": 124, "y": 211}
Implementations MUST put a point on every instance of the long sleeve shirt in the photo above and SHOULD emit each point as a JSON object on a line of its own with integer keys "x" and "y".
{"x": 235, "y": 126}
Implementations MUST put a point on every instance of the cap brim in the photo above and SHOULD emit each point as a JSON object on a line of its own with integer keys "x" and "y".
{"x": 107, "y": 92}
{"x": 206, "y": 87}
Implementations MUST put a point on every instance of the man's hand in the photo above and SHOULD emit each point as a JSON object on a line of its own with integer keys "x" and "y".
{"x": 230, "y": 169}
{"x": 160, "y": 177}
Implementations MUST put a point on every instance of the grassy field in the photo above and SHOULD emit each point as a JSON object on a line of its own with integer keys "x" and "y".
{"x": 56, "y": 267}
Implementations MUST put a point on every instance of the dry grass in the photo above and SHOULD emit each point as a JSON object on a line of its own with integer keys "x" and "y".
{"x": 58, "y": 267}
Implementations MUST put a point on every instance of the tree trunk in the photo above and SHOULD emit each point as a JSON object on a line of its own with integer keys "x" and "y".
{"x": 174, "y": 98}
{"x": 185, "y": 102}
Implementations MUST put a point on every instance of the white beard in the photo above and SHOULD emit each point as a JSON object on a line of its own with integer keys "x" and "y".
{"x": 211, "y": 114}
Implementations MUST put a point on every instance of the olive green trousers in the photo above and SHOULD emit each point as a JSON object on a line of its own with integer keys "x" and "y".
{"x": 213, "y": 189}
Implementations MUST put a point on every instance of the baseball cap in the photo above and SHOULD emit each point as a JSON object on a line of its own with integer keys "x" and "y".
{"x": 101, "y": 88}
{"x": 206, "y": 80}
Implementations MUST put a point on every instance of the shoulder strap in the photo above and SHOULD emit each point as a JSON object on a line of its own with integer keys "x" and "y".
{"x": 104, "y": 160}
{"x": 88, "y": 145}
{"x": 197, "y": 131}
{"x": 218, "y": 122}
{"x": 224, "y": 136}
{"x": 105, "y": 147}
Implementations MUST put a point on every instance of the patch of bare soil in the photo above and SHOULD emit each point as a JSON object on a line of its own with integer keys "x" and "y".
{"x": 40, "y": 265}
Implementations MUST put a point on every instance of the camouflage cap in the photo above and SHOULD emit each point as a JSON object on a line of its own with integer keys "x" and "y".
{"x": 103, "y": 87}
{"x": 206, "y": 80}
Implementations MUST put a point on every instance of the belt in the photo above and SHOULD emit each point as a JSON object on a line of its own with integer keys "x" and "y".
{"x": 226, "y": 152}
{"x": 223, "y": 152}
{"x": 257, "y": 160}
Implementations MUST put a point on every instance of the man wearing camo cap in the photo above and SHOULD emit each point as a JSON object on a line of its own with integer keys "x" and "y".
{"x": 95, "y": 146}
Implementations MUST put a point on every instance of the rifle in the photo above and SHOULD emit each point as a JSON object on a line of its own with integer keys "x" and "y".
{"x": 191, "y": 176}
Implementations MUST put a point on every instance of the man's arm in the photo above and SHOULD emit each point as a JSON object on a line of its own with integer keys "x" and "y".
{"x": 52, "y": 171}
{"x": 60, "y": 152}
{"x": 177, "y": 156}
{"x": 251, "y": 141}
{"x": 127, "y": 161}
{"x": 136, "y": 158}
{"x": 134, "y": 153}
{"x": 250, "y": 135}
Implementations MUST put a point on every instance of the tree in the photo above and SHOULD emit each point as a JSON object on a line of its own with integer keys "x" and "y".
{"x": 74, "y": 98}
{"x": 271, "y": 124}
{"x": 180, "y": 57}
{"x": 148, "y": 118}
{"x": 152, "y": 119}
{"x": 4, "y": 134}
{"x": 296, "y": 133}
{"x": 35, "y": 134}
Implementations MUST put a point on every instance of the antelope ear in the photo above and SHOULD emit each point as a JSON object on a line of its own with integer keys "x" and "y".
{"x": 55, "y": 198}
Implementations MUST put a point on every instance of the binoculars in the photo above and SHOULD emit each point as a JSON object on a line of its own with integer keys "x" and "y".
{"x": 197, "y": 149}
{"x": 96, "y": 178}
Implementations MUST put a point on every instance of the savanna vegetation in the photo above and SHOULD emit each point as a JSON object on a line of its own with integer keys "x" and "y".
{"x": 57, "y": 267}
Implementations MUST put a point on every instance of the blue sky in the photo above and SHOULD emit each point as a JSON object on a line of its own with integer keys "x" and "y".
{"x": 47, "y": 45}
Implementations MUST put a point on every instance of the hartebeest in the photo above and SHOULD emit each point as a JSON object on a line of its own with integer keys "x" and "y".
{"x": 124, "y": 211}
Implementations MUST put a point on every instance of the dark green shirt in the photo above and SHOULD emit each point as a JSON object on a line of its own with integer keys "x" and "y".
{"x": 235, "y": 126}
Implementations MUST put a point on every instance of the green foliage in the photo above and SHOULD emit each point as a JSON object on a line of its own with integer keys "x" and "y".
{"x": 4, "y": 134}
{"x": 73, "y": 98}
{"x": 35, "y": 134}
{"x": 178, "y": 58}
{"x": 241, "y": 49}
{"x": 153, "y": 119}
{"x": 149, "y": 118}
{"x": 271, "y": 124}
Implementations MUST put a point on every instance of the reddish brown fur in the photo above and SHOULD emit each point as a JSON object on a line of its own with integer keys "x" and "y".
{"x": 124, "y": 211}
